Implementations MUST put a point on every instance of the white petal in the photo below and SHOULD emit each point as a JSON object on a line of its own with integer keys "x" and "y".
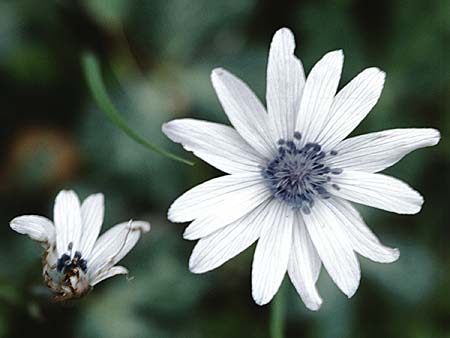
{"x": 304, "y": 266}
{"x": 244, "y": 110}
{"x": 333, "y": 247}
{"x": 226, "y": 213}
{"x": 114, "y": 244}
{"x": 115, "y": 270}
{"x": 219, "y": 145}
{"x": 285, "y": 82}
{"x": 92, "y": 212}
{"x": 377, "y": 151}
{"x": 360, "y": 236}
{"x": 224, "y": 244}
{"x": 318, "y": 94}
{"x": 351, "y": 105}
{"x": 219, "y": 195}
{"x": 67, "y": 218}
{"x": 38, "y": 228}
{"x": 378, "y": 191}
{"x": 272, "y": 252}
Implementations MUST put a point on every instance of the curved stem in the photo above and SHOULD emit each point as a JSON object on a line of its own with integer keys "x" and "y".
{"x": 93, "y": 77}
{"x": 277, "y": 313}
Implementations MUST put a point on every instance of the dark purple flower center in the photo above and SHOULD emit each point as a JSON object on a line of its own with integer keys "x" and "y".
{"x": 297, "y": 175}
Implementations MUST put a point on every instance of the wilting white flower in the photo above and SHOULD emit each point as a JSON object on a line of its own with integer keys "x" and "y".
{"x": 76, "y": 258}
{"x": 291, "y": 173}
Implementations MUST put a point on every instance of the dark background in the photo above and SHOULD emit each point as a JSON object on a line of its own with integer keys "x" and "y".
{"x": 157, "y": 56}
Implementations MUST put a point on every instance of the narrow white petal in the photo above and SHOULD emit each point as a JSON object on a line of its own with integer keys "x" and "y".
{"x": 226, "y": 243}
{"x": 378, "y": 191}
{"x": 351, "y": 105}
{"x": 115, "y": 270}
{"x": 92, "y": 212}
{"x": 318, "y": 94}
{"x": 333, "y": 247}
{"x": 377, "y": 151}
{"x": 219, "y": 145}
{"x": 235, "y": 193}
{"x": 226, "y": 213}
{"x": 38, "y": 228}
{"x": 304, "y": 266}
{"x": 67, "y": 218}
{"x": 113, "y": 245}
{"x": 285, "y": 82}
{"x": 244, "y": 110}
{"x": 272, "y": 252}
{"x": 360, "y": 236}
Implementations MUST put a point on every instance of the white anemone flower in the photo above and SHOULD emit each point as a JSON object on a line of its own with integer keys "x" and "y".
{"x": 76, "y": 258}
{"x": 291, "y": 175}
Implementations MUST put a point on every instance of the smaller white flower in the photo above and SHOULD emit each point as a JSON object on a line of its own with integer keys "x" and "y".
{"x": 76, "y": 258}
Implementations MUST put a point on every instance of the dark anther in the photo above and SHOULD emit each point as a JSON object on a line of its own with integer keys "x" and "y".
{"x": 83, "y": 264}
{"x": 290, "y": 144}
{"x": 62, "y": 262}
{"x": 336, "y": 171}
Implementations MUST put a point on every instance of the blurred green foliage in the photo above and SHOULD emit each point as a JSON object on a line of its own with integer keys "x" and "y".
{"x": 158, "y": 55}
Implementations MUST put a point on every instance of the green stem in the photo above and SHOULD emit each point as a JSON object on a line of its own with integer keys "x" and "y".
{"x": 277, "y": 313}
{"x": 93, "y": 77}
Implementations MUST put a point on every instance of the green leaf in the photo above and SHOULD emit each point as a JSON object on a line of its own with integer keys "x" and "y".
{"x": 94, "y": 80}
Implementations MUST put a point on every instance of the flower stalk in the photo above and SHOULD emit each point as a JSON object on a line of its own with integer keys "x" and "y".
{"x": 278, "y": 313}
{"x": 94, "y": 80}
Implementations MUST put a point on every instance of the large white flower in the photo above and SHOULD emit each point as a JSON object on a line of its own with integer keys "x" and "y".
{"x": 76, "y": 258}
{"x": 290, "y": 174}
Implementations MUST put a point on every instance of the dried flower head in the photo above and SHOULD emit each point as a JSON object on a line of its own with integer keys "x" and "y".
{"x": 76, "y": 258}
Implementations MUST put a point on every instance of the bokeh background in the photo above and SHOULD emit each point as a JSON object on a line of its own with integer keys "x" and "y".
{"x": 157, "y": 56}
